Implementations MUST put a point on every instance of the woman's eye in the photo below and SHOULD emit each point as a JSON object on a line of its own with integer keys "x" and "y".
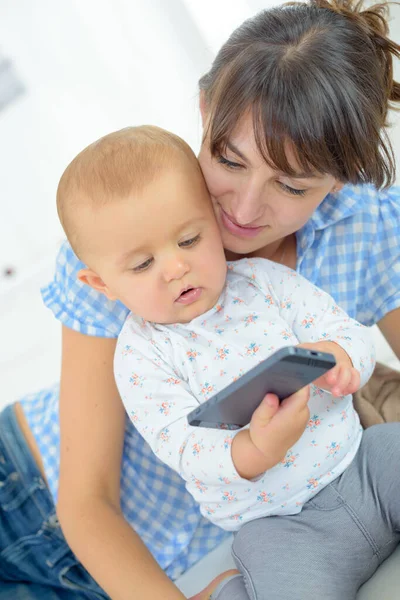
{"x": 228, "y": 163}
{"x": 143, "y": 266}
{"x": 189, "y": 243}
{"x": 290, "y": 190}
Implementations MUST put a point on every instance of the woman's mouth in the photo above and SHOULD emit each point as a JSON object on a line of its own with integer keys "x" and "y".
{"x": 238, "y": 230}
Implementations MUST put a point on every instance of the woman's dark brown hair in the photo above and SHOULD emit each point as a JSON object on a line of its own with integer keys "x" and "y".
{"x": 317, "y": 76}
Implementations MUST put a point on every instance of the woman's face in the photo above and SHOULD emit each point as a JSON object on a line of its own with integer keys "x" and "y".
{"x": 254, "y": 204}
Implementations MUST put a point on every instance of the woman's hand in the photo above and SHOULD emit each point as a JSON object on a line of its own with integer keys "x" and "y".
{"x": 343, "y": 379}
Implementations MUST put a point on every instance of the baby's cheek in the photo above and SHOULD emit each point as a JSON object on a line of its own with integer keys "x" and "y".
{"x": 137, "y": 300}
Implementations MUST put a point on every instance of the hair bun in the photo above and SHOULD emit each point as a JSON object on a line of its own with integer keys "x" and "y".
{"x": 374, "y": 21}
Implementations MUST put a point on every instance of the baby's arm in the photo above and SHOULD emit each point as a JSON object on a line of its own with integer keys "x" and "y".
{"x": 321, "y": 324}
{"x": 317, "y": 321}
{"x": 157, "y": 400}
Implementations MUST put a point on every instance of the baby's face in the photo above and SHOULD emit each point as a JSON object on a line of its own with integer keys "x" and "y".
{"x": 160, "y": 252}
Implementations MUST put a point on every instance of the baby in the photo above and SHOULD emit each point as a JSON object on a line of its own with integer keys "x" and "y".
{"x": 136, "y": 210}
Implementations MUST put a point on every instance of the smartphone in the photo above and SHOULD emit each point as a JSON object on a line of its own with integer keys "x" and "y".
{"x": 284, "y": 373}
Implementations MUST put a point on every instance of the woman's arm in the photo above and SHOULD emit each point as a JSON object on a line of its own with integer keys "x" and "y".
{"x": 92, "y": 422}
{"x": 390, "y": 327}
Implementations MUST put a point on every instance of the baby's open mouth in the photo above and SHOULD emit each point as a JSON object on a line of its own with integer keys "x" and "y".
{"x": 185, "y": 292}
{"x": 189, "y": 295}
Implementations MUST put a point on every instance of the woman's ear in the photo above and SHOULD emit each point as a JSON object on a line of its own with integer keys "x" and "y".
{"x": 91, "y": 278}
{"x": 337, "y": 187}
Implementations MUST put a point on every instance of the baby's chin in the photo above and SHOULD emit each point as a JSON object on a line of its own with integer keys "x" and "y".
{"x": 183, "y": 315}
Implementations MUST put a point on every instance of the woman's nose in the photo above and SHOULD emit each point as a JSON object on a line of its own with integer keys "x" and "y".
{"x": 248, "y": 205}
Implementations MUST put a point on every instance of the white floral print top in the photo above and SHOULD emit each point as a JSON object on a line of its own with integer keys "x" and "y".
{"x": 164, "y": 371}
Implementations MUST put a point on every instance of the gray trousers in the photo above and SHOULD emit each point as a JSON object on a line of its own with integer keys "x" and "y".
{"x": 338, "y": 540}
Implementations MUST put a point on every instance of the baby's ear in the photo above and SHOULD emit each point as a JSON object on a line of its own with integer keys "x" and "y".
{"x": 91, "y": 278}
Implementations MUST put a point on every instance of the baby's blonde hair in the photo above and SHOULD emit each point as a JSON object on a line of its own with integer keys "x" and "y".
{"x": 113, "y": 167}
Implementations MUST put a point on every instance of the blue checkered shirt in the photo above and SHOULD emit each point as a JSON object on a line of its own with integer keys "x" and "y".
{"x": 350, "y": 248}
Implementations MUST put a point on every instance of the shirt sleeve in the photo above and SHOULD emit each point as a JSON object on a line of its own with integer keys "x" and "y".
{"x": 381, "y": 273}
{"x": 157, "y": 400}
{"x": 77, "y": 305}
{"x": 314, "y": 316}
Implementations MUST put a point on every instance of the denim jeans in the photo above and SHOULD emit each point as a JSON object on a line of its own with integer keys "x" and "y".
{"x": 36, "y": 562}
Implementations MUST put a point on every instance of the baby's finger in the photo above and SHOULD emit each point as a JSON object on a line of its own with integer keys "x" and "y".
{"x": 327, "y": 380}
{"x": 342, "y": 382}
{"x": 331, "y": 376}
{"x": 298, "y": 400}
{"x": 354, "y": 383}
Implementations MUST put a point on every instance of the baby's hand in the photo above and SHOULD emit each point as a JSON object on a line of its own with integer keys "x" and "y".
{"x": 274, "y": 428}
{"x": 343, "y": 379}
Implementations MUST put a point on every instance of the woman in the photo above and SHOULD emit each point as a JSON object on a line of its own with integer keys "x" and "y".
{"x": 293, "y": 155}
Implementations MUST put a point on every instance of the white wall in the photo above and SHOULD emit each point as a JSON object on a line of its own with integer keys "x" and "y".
{"x": 88, "y": 68}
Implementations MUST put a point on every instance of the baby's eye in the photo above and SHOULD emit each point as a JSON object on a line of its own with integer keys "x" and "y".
{"x": 143, "y": 266}
{"x": 190, "y": 243}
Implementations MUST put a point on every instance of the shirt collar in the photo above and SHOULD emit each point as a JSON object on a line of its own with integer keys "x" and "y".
{"x": 340, "y": 205}
{"x": 333, "y": 209}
